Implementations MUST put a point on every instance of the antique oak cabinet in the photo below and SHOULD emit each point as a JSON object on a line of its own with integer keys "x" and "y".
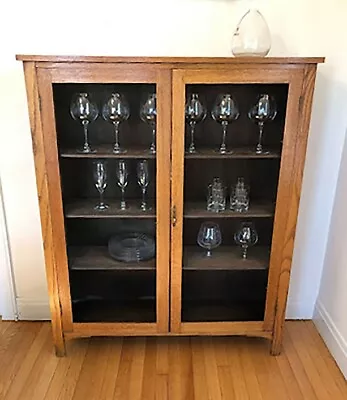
{"x": 179, "y": 290}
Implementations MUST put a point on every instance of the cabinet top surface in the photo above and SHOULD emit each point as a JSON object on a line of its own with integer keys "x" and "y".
{"x": 172, "y": 60}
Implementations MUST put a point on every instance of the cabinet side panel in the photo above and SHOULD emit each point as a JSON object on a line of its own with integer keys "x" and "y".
{"x": 54, "y": 194}
{"x": 45, "y": 213}
{"x": 288, "y": 201}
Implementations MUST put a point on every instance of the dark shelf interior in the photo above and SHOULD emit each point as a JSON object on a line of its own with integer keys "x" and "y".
{"x": 198, "y": 209}
{"x": 221, "y": 311}
{"x": 98, "y": 258}
{"x": 99, "y": 310}
{"x": 84, "y": 208}
{"x": 113, "y": 295}
{"x": 225, "y": 258}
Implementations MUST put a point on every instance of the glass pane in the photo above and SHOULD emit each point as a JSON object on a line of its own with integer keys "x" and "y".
{"x": 233, "y": 142}
{"x": 106, "y": 139}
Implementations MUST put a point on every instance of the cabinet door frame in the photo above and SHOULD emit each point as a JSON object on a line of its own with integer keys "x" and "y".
{"x": 39, "y": 79}
{"x": 300, "y": 80}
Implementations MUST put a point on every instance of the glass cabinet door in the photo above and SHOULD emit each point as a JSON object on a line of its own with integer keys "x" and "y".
{"x": 113, "y": 135}
{"x": 228, "y": 133}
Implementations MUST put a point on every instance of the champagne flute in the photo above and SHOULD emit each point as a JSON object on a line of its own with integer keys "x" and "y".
{"x": 225, "y": 110}
{"x": 209, "y": 237}
{"x": 264, "y": 110}
{"x": 115, "y": 111}
{"x": 122, "y": 181}
{"x": 100, "y": 181}
{"x": 245, "y": 237}
{"x": 194, "y": 112}
{"x": 148, "y": 114}
{"x": 143, "y": 181}
{"x": 84, "y": 110}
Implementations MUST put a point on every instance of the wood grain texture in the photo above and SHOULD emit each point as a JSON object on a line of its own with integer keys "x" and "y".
{"x": 35, "y": 116}
{"x": 289, "y": 197}
{"x": 180, "y": 60}
{"x": 55, "y": 205}
{"x": 167, "y": 368}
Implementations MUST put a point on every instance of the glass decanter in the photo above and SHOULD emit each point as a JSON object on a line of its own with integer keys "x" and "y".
{"x": 252, "y": 37}
{"x": 239, "y": 196}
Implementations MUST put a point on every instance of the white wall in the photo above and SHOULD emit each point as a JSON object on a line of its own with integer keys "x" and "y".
{"x": 330, "y": 313}
{"x": 168, "y": 27}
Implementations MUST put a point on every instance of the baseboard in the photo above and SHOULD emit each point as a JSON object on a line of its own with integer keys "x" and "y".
{"x": 331, "y": 336}
{"x": 33, "y": 310}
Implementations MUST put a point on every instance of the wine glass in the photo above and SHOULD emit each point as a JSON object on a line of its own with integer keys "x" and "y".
{"x": 194, "y": 112}
{"x": 84, "y": 110}
{"x": 143, "y": 181}
{"x": 209, "y": 237}
{"x": 115, "y": 111}
{"x": 122, "y": 181}
{"x": 264, "y": 110}
{"x": 225, "y": 110}
{"x": 148, "y": 113}
{"x": 245, "y": 237}
{"x": 100, "y": 181}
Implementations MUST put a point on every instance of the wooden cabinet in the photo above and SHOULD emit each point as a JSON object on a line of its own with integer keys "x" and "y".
{"x": 179, "y": 291}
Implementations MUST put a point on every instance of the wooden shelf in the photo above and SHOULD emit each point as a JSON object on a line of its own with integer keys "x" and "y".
{"x": 237, "y": 153}
{"x": 84, "y": 208}
{"x": 256, "y": 210}
{"x": 97, "y": 258}
{"x": 105, "y": 151}
{"x": 225, "y": 258}
{"x": 109, "y": 310}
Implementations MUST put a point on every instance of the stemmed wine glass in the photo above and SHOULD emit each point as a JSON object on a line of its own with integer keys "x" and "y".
{"x": 209, "y": 237}
{"x": 225, "y": 110}
{"x": 194, "y": 112}
{"x": 148, "y": 113}
{"x": 143, "y": 181}
{"x": 115, "y": 111}
{"x": 245, "y": 237}
{"x": 264, "y": 110}
{"x": 122, "y": 181}
{"x": 84, "y": 110}
{"x": 100, "y": 181}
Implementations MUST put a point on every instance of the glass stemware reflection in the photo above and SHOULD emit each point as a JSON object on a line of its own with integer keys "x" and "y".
{"x": 115, "y": 111}
{"x": 245, "y": 237}
{"x": 225, "y": 110}
{"x": 84, "y": 110}
{"x": 209, "y": 237}
{"x": 148, "y": 114}
{"x": 122, "y": 181}
{"x": 195, "y": 112}
{"x": 143, "y": 181}
{"x": 264, "y": 110}
{"x": 100, "y": 181}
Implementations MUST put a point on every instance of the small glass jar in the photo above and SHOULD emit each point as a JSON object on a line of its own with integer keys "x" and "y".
{"x": 252, "y": 36}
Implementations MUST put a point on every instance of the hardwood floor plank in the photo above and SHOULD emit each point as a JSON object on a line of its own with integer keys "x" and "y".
{"x": 175, "y": 368}
{"x": 19, "y": 382}
{"x": 63, "y": 383}
{"x": 136, "y": 369}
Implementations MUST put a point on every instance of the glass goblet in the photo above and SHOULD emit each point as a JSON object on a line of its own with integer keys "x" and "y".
{"x": 209, "y": 237}
{"x": 225, "y": 110}
{"x": 100, "y": 181}
{"x": 143, "y": 181}
{"x": 264, "y": 110}
{"x": 246, "y": 237}
{"x": 84, "y": 110}
{"x": 115, "y": 111}
{"x": 195, "y": 112}
{"x": 122, "y": 181}
{"x": 148, "y": 114}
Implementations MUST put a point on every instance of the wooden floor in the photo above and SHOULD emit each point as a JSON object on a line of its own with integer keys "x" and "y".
{"x": 166, "y": 368}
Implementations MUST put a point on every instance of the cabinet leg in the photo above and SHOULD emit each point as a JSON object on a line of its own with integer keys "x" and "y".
{"x": 276, "y": 346}
{"x": 59, "y": 344}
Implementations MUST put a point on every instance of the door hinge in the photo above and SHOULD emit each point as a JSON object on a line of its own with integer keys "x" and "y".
{"x": 173, "y": 216}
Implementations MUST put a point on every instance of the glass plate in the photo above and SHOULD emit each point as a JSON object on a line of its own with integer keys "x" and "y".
{"x": 131, "y": 247}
